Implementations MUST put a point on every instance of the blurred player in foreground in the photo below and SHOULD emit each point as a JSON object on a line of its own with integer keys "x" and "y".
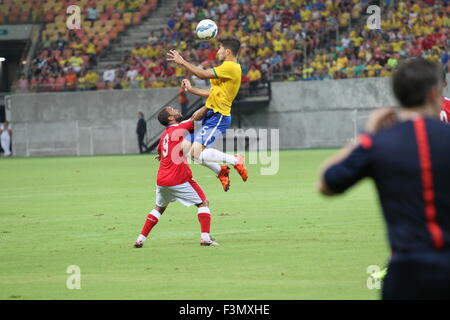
{"x": 407, "y": 154}
{"x": 225, "y": 83}
{"x": 174, "y": 181}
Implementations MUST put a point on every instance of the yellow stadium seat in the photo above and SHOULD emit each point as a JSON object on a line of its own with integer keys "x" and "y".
{"x": 110, "y": 24}
{"x": 57, "y": 6}
{"x": 127, "y": 17}
{"x": 60, "y": 19}
{"x": 86, "y": 24}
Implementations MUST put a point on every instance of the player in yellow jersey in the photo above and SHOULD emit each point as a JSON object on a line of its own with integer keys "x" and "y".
{"x": 216, "y": 114}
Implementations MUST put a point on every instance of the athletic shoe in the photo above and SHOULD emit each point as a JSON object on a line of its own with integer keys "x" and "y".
{"x": 240, "y": 167}
{"x": 138, "y": 244}
{"x": 209, "y": 243}
{"x": 224, "y": 178}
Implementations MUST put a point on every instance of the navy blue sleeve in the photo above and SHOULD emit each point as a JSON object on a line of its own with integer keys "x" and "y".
{"x": 346, "y": 173}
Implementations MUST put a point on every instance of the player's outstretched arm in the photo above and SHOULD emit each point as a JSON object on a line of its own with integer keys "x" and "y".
{"x": 174, "y": 56}
{"x": 186, "y": 84}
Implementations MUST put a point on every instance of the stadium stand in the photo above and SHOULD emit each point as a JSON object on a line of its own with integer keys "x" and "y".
{"x": 65, "y": 58}
{"x": 281, "y": 40}
{"x": 410, "y": 29}
{"x": 307, "y": 40}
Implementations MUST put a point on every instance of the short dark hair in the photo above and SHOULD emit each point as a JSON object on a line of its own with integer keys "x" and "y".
{"x": 231, "y": 43}
{"x": 163, "y": 117}
{"x": 413, "y": 80}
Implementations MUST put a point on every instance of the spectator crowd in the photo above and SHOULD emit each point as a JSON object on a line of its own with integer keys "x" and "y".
{"x": 281, "y": 40}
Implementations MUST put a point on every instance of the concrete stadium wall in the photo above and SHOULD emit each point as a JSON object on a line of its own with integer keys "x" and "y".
{"x": 82, "y": 123}
{"x": 321, "y": 114}
{"x": 316, "y": 114}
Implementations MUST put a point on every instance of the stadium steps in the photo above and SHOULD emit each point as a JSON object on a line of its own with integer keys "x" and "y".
{"x": 155, "y": 22}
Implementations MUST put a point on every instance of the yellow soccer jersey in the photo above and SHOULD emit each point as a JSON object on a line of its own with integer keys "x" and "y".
{"x": 225, "y": 88}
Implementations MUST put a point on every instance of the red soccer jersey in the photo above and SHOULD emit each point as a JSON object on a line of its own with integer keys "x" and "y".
{"x": 445, "y": 110}
{"x": 173, "y": 167}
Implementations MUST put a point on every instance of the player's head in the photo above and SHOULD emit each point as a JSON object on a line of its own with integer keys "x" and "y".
{"x": 169, "y": 116}
{"x": 140, "y": 114}
{"x": 228, "y": 47}
{"x": 418, "y": 83}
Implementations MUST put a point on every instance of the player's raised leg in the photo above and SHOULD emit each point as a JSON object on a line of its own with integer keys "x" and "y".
{"x": 220, "y": 171}
{"x": 213, "y": 166}
{"x": 214, "y": 125}
{"x": 152, "y": 219}
{"x": 203, "y": 154}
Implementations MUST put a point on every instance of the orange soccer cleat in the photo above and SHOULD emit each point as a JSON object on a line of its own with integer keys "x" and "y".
{"x": 224, "y": 178}
{"x": 240, "y": 167}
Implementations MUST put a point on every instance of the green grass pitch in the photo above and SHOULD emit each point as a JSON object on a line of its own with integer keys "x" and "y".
{"x": 279, "y": 238}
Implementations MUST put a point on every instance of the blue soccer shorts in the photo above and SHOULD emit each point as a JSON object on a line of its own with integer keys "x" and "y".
{"x": 214, "y": 125}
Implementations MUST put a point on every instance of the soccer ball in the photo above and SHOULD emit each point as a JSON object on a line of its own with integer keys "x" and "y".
{"x": 206, "y": 29}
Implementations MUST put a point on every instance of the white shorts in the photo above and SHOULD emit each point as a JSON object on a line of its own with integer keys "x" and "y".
{"x": 187, "y": 193}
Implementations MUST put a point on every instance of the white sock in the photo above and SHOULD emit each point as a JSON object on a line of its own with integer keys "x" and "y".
{"x": 214, "y": 166}
{"x": 214, "y": 155}
{"x": 141, "y": 238}
{"x": 205, "y": 236}
{"x": 156, "y": 214}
